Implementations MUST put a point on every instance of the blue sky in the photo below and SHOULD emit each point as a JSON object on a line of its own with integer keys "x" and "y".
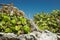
{"x": 31, "y": 7}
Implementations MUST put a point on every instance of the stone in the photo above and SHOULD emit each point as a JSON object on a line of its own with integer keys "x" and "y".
{"x": 35, "y": 35}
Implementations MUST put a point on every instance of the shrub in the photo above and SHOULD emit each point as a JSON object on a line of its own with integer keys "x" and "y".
{"x": 14, "y": 24}
{"x": 48, "y": 21}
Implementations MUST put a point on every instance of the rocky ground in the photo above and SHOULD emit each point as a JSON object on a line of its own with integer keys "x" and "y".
{"x": 35, "y": 35}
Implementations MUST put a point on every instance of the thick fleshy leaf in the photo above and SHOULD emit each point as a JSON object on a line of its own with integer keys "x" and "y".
{"x": 8, "y": 30}
{"x": 17, "y": 28}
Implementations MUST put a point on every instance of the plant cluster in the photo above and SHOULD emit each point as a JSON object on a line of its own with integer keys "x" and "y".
{"x": 48, "y": 21}
{"x": 14, "y": 24}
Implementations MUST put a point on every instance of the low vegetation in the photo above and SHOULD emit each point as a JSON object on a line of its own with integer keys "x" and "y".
{"x": 14, "y": 24}
{"x": 48, "y": 21}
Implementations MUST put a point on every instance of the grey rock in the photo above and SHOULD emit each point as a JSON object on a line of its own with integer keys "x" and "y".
{"x": 58, "y": 36}
{"x": 35, "y": 35}
{"x": 10, "y": 35}
{"x": 21, "y": 37}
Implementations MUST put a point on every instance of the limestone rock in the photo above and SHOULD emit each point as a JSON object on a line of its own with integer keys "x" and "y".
{"x": 35, "y": 35}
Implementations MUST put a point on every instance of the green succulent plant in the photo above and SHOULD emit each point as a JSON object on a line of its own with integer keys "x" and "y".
{"x": 8, "y": 30}
{"x": 26, "y": 29}
{"x": 14, "y": 24}
{"x": 47, "y": 21}
{"x": 17, "y": 28}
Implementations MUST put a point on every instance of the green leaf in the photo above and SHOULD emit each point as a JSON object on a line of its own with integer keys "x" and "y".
{"x": 19, "y": 22}
{"x": 8, "y": 30}
{"x": 41, "y": 28}
{"x": 13, "y": 21}
{"x": 18, "y": 33}
{"x": 23, "y": 21}
{"x": 26, "y": 29}
{"x": 48, "y": 18}
{"x": 17, "y": 28}
{"x": 6, "y": 18}
{"x": 12, "y": 28}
